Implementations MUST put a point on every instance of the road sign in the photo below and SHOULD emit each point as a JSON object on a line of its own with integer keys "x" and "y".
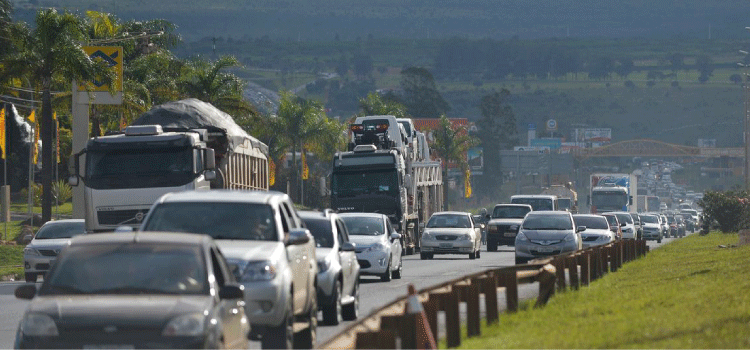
{"x": 551, "y": 125}
{"x": 112, "y": 56}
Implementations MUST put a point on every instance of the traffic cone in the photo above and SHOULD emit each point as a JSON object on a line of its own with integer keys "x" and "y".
{"x": 425, "y": 338}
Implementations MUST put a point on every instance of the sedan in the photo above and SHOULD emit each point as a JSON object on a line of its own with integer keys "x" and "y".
{"x": 451, "y": 232}
{"x": 546, "y": 233}
{"x": 594, "y": 230}
{"x": 136, "y": 290}
{"x": 42, "y": 251}
{"x": 378, "y": 245}
{"x": 652, "y": 227}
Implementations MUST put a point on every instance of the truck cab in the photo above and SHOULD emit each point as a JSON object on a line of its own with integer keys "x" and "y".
{"x": 537, "y": 201}
{"x": 504, "y": 223}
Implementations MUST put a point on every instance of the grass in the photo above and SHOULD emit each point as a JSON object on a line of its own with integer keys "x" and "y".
{"x": 64, "y": 209}
{"x": 10, "y": 257}
{"x": 687, "y": 294}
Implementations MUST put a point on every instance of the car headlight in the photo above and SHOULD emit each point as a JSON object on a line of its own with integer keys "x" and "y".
{"x": 427, "y": 236}
{"x": 258, "y": 271}
{"x": 513, "y": 227}
{"x": 375, "y": 247}
{"x": 31, "y": 251}
{"x": 604, "y": 238}
{"x": 521, "y": 237}
{"x": 464, "y": 238}
{"x": 570, "y": 237}
{"x": 185, "y": 325}
{"x": 39, "y": 325}
{"x": 324, "y": 264}
{"x": 492, "y": 228}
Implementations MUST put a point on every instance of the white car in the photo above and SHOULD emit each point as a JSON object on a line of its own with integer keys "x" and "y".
{"x": 378, "y": 245}
{"x": 451, "y": 232}
{"x": 594, "y": 229}
{"x": 40, "y": 254}
{"x": 652, "y": 228}
{"x": 629, "y": 231}
{"x": 268, "y": 248}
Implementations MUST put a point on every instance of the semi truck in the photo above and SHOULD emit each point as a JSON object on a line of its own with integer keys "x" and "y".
{"x": 177, "y": 146}
{"x": 567, "y": 198}
{"x": 377, "y": 175}
{"x": 612, "y": 192}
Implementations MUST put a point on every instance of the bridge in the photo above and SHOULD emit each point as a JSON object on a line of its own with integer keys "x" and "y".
{"x": 653, "y": 148}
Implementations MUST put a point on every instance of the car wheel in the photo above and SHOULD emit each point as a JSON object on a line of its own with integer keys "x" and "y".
{"x": 473, "y": 255}
{"x": 281, "y": 336}
{"x": 30, "y": 277}
{"x": 386, "y": 276}
{"x": 491, "y": 245}
{"x": 397, "y": 273}
{"x": 332, "y": 312}
{"x": 423, "y": 256}
{"x": 479, "y": 253}
{"x": 658, "y": 240}
{"x": 308, "y": 337}
{"x": 350, "y": 312}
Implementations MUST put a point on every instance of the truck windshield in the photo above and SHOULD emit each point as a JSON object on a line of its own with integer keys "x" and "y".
{"x": 609, "y": 200}
{"x": 384, "y": 182}
{"x": 564, "y": 203}
{"x": 510, "y": 212}
{"x": 220, "y": 220}
{"x": 535, "y": 203}
{"x": 139, "y": 168}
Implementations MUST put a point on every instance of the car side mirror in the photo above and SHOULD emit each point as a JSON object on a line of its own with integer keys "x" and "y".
{"x": 209, "y": 159}
{"x": 395, "y": 236}
{"x": 73, "y": 181}
{"x": 348, "y": 247}
{"x": 26, "y": 291}
{"x": 232, "y": 291}
{"x": 298, "y": 236}
{"x": 482, "y": 226}
{"x": 581, "y": 229}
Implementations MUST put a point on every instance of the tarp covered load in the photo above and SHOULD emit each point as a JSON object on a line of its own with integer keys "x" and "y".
{"x": 195, "y": 114}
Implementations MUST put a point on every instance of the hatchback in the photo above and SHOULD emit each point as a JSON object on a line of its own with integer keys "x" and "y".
{"x": 546, "y": 233}
{"x": 378, "y": 245}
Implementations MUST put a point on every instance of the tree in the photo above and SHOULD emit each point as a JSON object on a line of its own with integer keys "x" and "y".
{"x": 52, "y": 50}
{"x": 497, "y": 130}
{"x": 375, "y": 104}
{"x": 624, "y": 67}
{"x": 451, "y": 144}
{"x": 677, "y": 62}
{"x": 601, "y": 68}
{"x": 208, "y": 82}
{"x": 735, "y": 78}
{"x": 421, "y": 96}
{"x": 363, "y": 65}
{"x": 705, "y": 65}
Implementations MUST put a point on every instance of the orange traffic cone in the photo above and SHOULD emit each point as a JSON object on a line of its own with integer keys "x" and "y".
{"x": 425, "y": 338}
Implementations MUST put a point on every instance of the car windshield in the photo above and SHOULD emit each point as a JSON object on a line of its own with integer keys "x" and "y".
{"x": 514, "y": 212}
{"x": 321, "y": 230}
{"x": 592, "y": 222}
{"x": 54, "y": 230}
{"x": 220, "y": 220}
{"x": 535, "y": 203}
{"x": 690, "y": 212}
{"x": 650, "y": 219}
{"x": 364, "y": 226}
{"x": 626, "y": 218}
{"x": 547, "y": 222}
{"x": 128, "y": 268}
{"x": 449, "y": 221}
{"x": 612, "y": 220}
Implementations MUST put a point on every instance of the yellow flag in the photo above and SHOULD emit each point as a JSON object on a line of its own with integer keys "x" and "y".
{"x": 271, "y": 172}
{"x": 35, "y": 146}
{"x": 305, "y": 169}
{"x": 467, "y": 184}
{"x": 32, "y": 117}
{"x": 57, "y": 138}
{"x": 2, "y": 130}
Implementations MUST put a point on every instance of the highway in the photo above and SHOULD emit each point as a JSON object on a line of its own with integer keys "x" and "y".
{"x": 373, "y": 293}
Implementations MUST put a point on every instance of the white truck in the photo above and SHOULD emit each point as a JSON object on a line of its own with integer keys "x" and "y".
{"x": 612, "y": 192}
{"x": 177, "y": 146}
{"x": 567, "y": 198}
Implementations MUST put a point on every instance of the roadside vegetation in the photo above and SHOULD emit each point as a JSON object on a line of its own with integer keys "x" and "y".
{"x": 691, "y": 293}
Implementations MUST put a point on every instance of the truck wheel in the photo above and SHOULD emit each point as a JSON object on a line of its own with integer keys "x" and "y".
{"x": 332, "y": 312}
{"x": 479, "y": 253}
{"x": 423, "y": 256}
{"x": 473, "y": 255}
{"x": 281, "y": 336}
{"x": 491, "y": 245}
{"x": 30, "y": 277}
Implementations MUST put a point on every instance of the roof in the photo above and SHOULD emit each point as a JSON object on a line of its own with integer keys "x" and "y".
{"x": 260, "y": 197}
{"x": 140, "y": 237}
{"x": 451, "y": 213}
{"x": 532, "y": 196}
{"x": 370, "y": 215}
{"x": 513, "y": 205}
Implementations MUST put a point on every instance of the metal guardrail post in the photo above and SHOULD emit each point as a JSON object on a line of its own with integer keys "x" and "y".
{"x": 584, "y": 260}
{"x": 571, "y": 263}
{"x": 489, "y": 289}
{"x": 383, "y": 339}
{"x": 595, "y": 263}
{"x": 509, "y": 280}
{"x": 449, "y": 303}
{"x": 612, "y": 257}
{"x": 559, "y": 264}
{"x": 473, "y": 317}
{"x": 431, "y": 307}
{"x": 605, "y": 259}
{"x": 546, "y": 280}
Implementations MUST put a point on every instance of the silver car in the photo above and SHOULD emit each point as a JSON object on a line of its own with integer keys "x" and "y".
{"x": 629, "y": 231}
{"x": 378, "y": 244}
{"x": 451, "y": 232}
{"x": 42, "y": 251}
{"x": 596, "y": 230}
{"x": 546, "y": 233}
{"x": 652, "y": 228}
{"x": 338, "y": 269}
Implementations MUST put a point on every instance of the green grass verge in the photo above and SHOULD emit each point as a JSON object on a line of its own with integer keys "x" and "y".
{"x": 11, "y": 256}
{"x": 63, "y": 209}
{"x": 687, "y": 294}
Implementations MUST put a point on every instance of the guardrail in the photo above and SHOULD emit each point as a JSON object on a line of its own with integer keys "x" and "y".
{"x": 390, "y": 327}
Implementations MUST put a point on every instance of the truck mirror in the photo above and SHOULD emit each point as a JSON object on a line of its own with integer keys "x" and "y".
{"x": 210, "y": 175}
{"x": 73, "y": 180}
{"x": 209, "y": 159}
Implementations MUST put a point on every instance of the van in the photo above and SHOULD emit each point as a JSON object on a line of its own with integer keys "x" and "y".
{"x": 537, "y": 201}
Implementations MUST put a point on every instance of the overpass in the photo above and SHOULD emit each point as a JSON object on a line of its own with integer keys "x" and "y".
{"x": 653, "y": 148}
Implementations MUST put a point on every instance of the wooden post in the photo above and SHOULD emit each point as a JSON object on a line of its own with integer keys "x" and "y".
{"x": 559, "y": 264}
{"x": 509, "y": 280}
{"x": 613, "y": 258}
{"x": 383, "y": 339}
{"x": 584, "y": 260}
{"x": 431, "y": 307}
{"x": 449, "y": 304}
{"x": 546, "y": 285}
{"x": 489, "y": 289}
{"x": 572, "y": 265}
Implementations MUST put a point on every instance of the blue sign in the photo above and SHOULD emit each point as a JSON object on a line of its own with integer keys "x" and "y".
{"x": 532, "y": 126}
{"x": 552, "y": 143}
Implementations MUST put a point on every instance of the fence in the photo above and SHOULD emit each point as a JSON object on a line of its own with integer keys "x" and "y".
{"x": 390, "y": 327}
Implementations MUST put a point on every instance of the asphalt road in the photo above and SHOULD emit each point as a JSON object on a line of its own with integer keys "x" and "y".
{"x": 373, "y": 293}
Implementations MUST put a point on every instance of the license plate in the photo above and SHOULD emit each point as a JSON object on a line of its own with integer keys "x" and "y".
{"x": 545, "y": 249}
{"x": 446, "y": 245}
{"x": 509, "y": 234}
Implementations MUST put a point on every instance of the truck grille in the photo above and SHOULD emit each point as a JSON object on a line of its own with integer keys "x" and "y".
{"x": 117, "y": 217}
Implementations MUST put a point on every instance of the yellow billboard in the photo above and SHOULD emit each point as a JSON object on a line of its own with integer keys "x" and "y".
{"x": 112, "y": 55}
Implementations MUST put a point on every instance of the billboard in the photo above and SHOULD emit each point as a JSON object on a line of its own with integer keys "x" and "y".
{"x": 707, "y": 143}
{"x": 552, "y": 143}
{"x": 593, "y": 135}
{"x": 475, "y": 157}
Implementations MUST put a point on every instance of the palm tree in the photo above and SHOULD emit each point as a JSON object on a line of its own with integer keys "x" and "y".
{"x": 302, "y": 121}
{"x": 451, "y": 144}
{"x": 52, "y": 51}
{"x": 206, "y": 81}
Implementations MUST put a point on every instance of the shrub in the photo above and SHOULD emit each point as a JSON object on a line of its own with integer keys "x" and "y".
{"x": 730, "y": 209}
{"x": 62, "y": 191}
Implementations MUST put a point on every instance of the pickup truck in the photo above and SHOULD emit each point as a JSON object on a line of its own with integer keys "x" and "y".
{"x": 504, "y": 223}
